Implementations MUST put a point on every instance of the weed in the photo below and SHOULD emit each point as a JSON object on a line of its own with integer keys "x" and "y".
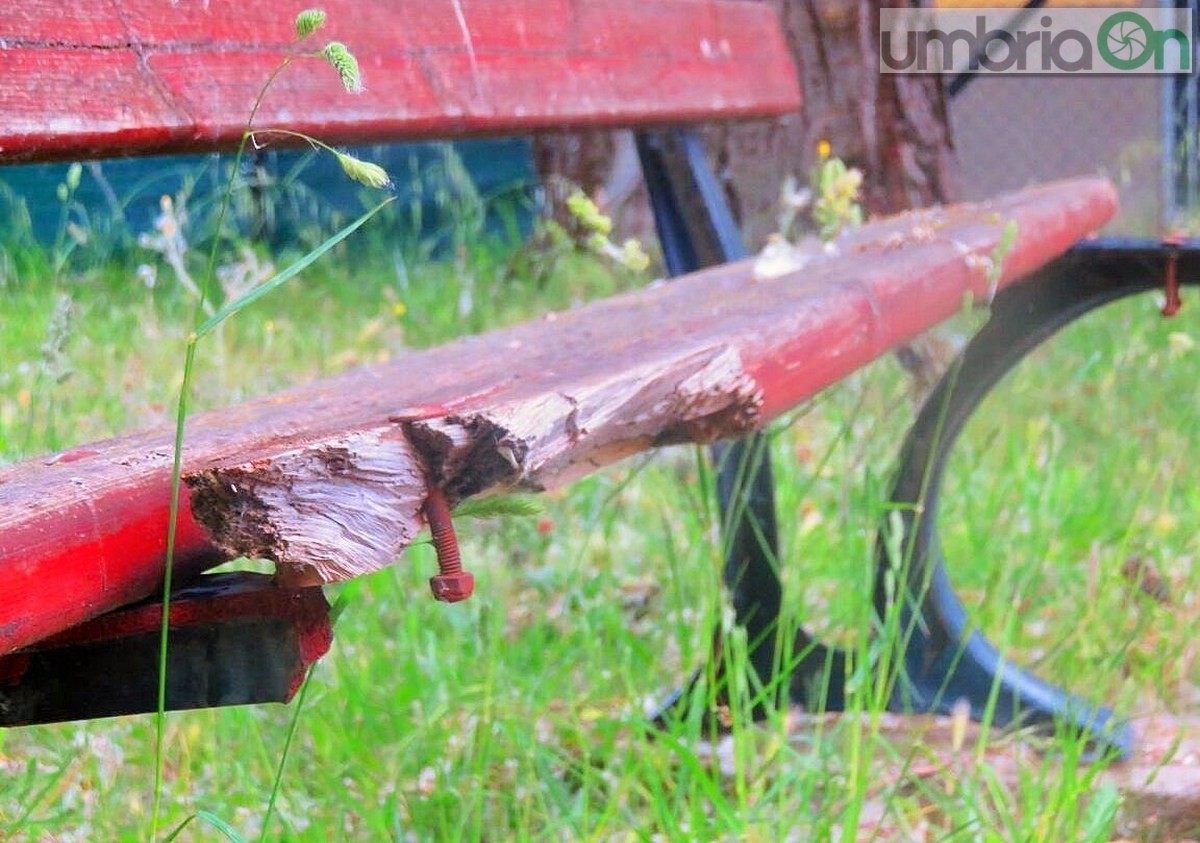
{"x": 340, "y": 58}
{"x": 70, "y": 233}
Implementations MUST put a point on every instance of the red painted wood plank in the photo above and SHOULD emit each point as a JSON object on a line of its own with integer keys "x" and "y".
{"x": 56, "y": 100}
{"x": 96, "y": 23}
{"x": 153, "y": 77}
{"x": 91, "y": 554}
{"x": 82, "y": 535}
{"x": 497, "y": 25}
{"x": 268, "y": 26}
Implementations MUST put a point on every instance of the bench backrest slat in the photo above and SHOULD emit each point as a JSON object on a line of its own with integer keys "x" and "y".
{"x": 141, "y": 76}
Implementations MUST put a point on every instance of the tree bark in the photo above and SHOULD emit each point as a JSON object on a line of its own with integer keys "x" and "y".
{"x": 892, "y": 127}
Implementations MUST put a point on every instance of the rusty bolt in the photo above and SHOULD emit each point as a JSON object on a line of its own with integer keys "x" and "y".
{"x": 451, "y": 588}
{"x": 1171, "y": 300}
{"x": 452, "y": 583}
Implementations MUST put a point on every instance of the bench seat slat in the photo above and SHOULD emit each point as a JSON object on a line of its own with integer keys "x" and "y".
{"x": 140, "y": 77}
{"x": 706, "y": 355}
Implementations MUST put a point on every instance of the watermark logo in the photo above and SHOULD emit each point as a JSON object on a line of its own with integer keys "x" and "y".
{"x": 1059, "y": 41}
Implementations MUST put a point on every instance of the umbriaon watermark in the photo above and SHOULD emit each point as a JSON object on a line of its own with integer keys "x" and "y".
{"x": 1129, "y": 40}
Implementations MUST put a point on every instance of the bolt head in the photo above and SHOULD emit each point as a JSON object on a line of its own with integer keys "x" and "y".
{"x": 451, "y": 588}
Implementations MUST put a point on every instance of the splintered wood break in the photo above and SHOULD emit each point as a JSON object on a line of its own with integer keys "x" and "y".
{"x": 323, "y": 512}
{"x": 344, "y": 505}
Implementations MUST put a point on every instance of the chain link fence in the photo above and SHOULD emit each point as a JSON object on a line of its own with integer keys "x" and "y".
{"x": 1139, "y": 131}
{"x": 1012, "y": 131}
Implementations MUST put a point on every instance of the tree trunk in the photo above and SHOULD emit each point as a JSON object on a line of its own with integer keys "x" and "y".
{"x": 892, "y": 127}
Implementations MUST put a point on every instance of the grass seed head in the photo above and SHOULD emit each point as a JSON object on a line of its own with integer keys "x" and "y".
{"x": 346, "y": 65}
{"x": 308, "y": 22}
{"x": 364, "y": 172}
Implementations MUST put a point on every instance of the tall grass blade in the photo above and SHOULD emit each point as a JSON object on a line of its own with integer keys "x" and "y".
{"x": 335, "y": 612}
{"x": 273, "y": 283}
{"x": 177, "y": 468}
{"x": 212, "y": 819}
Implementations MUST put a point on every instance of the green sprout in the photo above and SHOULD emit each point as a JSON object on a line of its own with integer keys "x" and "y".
{"x": 497, "y": 506}
{"x": 598, "y": 227}
{"x": 836, "y": 206}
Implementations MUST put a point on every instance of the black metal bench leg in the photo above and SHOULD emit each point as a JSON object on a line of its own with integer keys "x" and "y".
{"x": 945, "y": 659}
{"x": 697, "y": 230}
{"x": 815, "y": 674}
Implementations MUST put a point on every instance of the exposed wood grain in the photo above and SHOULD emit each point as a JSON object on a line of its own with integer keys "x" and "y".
{"x": 141, "y": 76}
{"x": 329, "y": 479}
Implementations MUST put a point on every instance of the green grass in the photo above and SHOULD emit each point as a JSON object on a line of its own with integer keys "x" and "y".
{"x": 1086, "y": 455}
{"x": 519, "y": 715}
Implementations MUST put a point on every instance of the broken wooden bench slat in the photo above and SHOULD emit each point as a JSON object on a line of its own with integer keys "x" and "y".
{"x": 329, "y": 479}
{"x": 142, "y": 77}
